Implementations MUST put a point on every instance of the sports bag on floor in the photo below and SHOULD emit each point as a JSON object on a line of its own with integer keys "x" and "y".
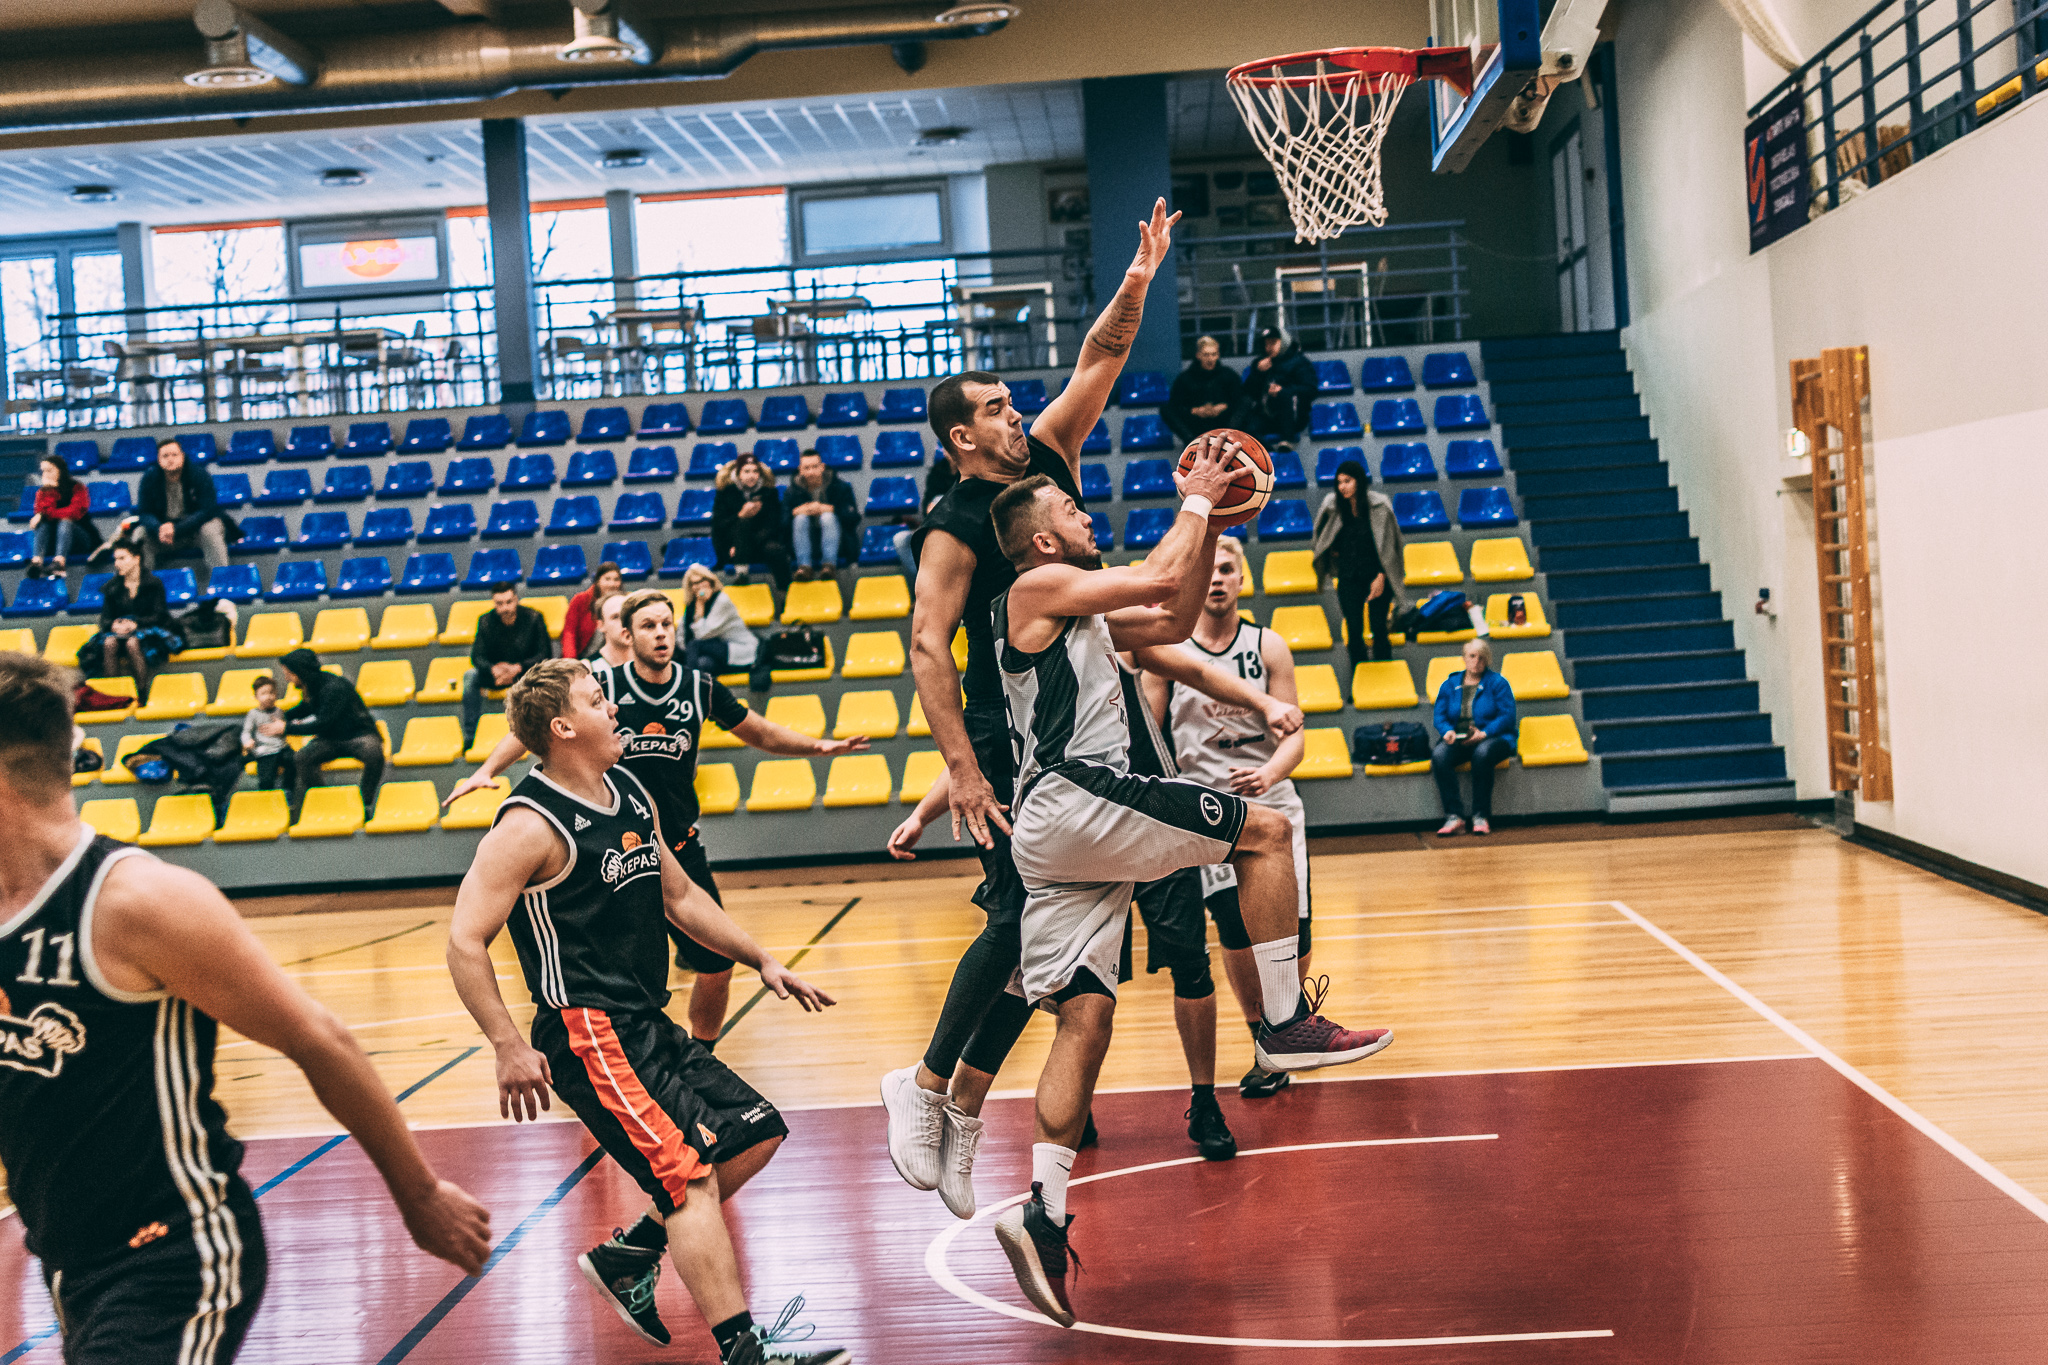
{"x": 1393, "y": 742}
{"x": 797, "y": 647}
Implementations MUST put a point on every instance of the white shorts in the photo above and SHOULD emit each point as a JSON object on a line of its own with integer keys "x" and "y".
{"x": 1282, "y": 797}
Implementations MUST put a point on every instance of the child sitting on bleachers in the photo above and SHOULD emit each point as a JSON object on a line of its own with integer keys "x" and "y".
{"x": 263, "y": 734}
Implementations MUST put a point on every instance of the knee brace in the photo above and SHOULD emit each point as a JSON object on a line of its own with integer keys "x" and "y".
{"x": 1191, "y": 978}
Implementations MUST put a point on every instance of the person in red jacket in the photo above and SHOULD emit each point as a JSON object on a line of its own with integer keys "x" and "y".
{"x": 580, "y": 626}
{"x": 61, "y": 506}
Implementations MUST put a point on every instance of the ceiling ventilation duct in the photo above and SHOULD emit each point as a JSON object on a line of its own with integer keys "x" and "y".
{"x": 242, "y": 50}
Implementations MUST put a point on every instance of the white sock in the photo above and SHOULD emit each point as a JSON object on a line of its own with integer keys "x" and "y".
{"x": 1279, "y": 977}
{"x": 1050, "y": 1164}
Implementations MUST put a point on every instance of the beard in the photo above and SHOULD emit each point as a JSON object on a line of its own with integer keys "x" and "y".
{"x": 1090, "y": 558}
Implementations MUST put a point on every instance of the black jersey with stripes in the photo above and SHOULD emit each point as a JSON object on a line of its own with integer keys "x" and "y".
{"x": 593, "y": 935}
{"x": 109, "y": 1130}
{"x": 662, "y": 725}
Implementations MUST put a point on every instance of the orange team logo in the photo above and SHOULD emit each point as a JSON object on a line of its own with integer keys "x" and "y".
{"x": 629, "y": 841}
{"x": 147, "y": 1234}
{"x": 372, "y": 259}
{"x": 6, "y": 1005}
{"x": 654, "y": 727}
{"x": 710, "y": 1138}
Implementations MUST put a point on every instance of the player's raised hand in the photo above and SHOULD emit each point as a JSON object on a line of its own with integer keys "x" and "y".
{"x": 1206, "y": 467}
{"x": 449, "y": 1224}
{"x": 1283, "y": 718}
{"x": 523, "y": 1081}
{"x": 787, "y": 984}
{"x": 974, "y": 801}
{"x": 1155, "y": 239}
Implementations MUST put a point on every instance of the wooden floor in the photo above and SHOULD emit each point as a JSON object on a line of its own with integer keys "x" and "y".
{"x": 1838, "y": 1043}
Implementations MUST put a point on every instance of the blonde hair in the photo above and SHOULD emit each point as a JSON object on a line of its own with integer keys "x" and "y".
{"x": 541, "y": 694}
{"x": 1485, "y": 650}
{"x": 1235, "y": 547}
{"x": 701, "y": 573}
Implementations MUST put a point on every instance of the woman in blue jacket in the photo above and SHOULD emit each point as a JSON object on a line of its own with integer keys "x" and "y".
{"x": 1475, "y": 721}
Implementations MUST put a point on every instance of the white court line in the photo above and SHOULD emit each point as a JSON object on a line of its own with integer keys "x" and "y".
{"x": 2026, "y": 1199}
{"x": 1321, "y": 939}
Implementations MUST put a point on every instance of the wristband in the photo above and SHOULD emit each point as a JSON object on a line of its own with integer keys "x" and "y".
{"x": 1197, "y": 504}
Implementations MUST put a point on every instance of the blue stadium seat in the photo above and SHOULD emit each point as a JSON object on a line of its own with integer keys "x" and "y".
{"x": 1287, "y": 471}
{"x": 1385, "y": 374}
{"x": 80, "y": 457}
{"x": 1480, "y": 508}
{"x": 234, "y": 583}
{"x": 1461, "y": 412}
{"x": 1141, "y": 389}
{"x": 878, "y": 544}
{"x": 784, "y": 412}
{"x": 92, "y": 594}
{"x": 889, "y": 497}
{"x": 260, "y": 536}
{"x": 843, "y": 410}
{"x": 652, "y": 464}
{"x": 499, "y": 564}
{"x": 475, "y": 474}
{"x": 576, "y": 514}
{"x": 1471, "y": 459}
{"x": 17, "y": 548}
{"x": 1406, "y": 462}
{"x": 559, "y": 564}
{"x": 448, "y": 521}
{"x": 486, "y": 431}
{"x": 634, "y": 559}
{"x": 386, "y": 526}
{"x": 779, "y": 453}
{"x": 693, "y": 506}
{"x": 200, "y": 447}
{"x": 1448, "y": 370}
{"x": 1285, "y": 519}
{"x": 431, "y": 571}
{"x": 1144, "y": 527}
{"x": 898, "y": 449}
{"x": 1104, "y": 537}
{"x": 1396, "y": 417}
{"x": 285, "y": 488}
{"x": 665, "y": 419}
{"x": 427, "y": 436}
{"x": 407, "y": 479}
{"x": 308, "y": 443}
{"x": 344, "y": 483}
{"x": 1028, "y": 396}
{"x": 602, "y": 426}
{"x": 1421, "y": 511}
{"x": 1333, "y": 376}
{"x": 902, "y": 405}
{"x": 322, "y": 531}
{"x": 724, "y": 414}
{"x": 231, "y": 488}
{"x": 679, "y": 554}
{"x": 549, "y": 427}
{"x": 298, "y": 580}
{"x": 513, "y": 519}
{"x": 110, "y": 498}
{"x": 367, "y": 438}
{"x": 368, "y": 576}
{"x": 533, "y": 473}
{"x": 1148, "y": 479}
{"x": 249, "y": 447}
{"x": 27, "y": 507}
{"x": 130, "y": 454}
{"x": 591, "y": 469}
{"x": 839, "y": 452}
{"x": 636, "y": 510}
{"x": 1146, "y": 431}
{"x": 708, "y": 457}
{"x": 1333, "y": 422}
{"x": 1095, "y": 486}
{"x": 1098, "y": 438}
{"x": 181, "y": 587}
{"x": 38, "y": 597}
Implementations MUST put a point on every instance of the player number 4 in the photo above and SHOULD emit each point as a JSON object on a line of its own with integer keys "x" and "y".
{"x": 33, "y": 972}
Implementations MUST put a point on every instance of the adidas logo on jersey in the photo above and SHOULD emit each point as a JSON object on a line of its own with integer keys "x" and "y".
{"x": 581, "y": 824}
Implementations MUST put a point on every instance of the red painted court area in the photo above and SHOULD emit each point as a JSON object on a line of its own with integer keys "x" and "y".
{"x": 1739, "y": 1212}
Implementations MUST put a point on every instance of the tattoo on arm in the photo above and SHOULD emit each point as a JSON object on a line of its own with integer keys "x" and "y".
{"x": 1118, "y": 325}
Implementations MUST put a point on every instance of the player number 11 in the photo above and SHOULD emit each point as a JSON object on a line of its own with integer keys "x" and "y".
{"x": 33, "y": 973}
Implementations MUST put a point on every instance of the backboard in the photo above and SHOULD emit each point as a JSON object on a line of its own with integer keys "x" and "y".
{"x": 1505, "y": 39}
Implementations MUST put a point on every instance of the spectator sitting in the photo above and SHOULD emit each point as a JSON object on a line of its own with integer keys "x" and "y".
{"x": 747, "y": 525}
{"x": 509, "y": 640}
{"x": 1205, "y": 396}
{"x": 176, "y": 507}
{"x": 334, "y": 715}
{"x": 938, "y": 481}
{"x": 823, "y": 518}
{"x": 136, "y": 634}
{"x": 61, "y": 524}
{"x": 716, "y": 639}
{"x": 263, "y": 734}
{"x": 1280, "y": 387}
{"x": 1358, "y": 539}
{"x": 1475, "y": 721}
{"x": 580, "y": 635}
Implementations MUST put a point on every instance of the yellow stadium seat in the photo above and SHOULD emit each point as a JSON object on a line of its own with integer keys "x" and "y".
{"x": 819, "y": 674}
{"x": 874, "y": 654}
{"x": 1290, "y": 571}
{"x": 349, "y": 765}
{"x": 1383, "y": 686}
{"x": 857, "y": 780}
{"x": 815, "y": 603}
{"x": 1441, "y": 667}
{"x": 1549, "y": 742}
{"x": 553, "y": 609}
{"x": 462, "y": 619}
{"x": 236, "y": 694}
{"x": 254, "y": 817}
{"x": 340, "y": 630}
{"x": 1326, "y": 755}
{"x": 271, "y": 634}
{"x": 1502, "y": 560}
{"x": 330, "y": 813}
{"x": 1534, "y": 675}
{"x": 783, "y": 784}
{"x": 718, "y": 788}
{"x": 1305, "y": 629}
{"x": 179, "y": 820}
{"x": 872, "y": 714}
{"x": 117, "y": 817}
{"x": 1535, "y": 625}
{"x": 113, "y": 687}
{"x": 489, "y": 731}
{"x": 22, "y": 640}
{"x": 404, "y": 808}
{"x": 756, "y": 604}
{"x": 715, "y": 736}
{"x": 385, "y": 682}
{"x": 885, "y": 597}
{"x": 1315, "y": 689}
{"x": 406, "y": 625}
{"x": 117, "y": 772}
{"x": 475, "y": 810}
{"x": 201, "y": 654}
{"x": 920, "y": 770}
{"x": 60, "y": 646}
{"x": 175, "y": 696}
{"x": 444, "y": 680}
{"x": 87, "y": 779}
{"x": 430, "y": 742}
{"x": 1428, "y": 563}
{"x": 1445, "y": 637}
{"x": 1398, "y": 769}
{"x": 804, "y": 714}
{"x": 960, "y": 649}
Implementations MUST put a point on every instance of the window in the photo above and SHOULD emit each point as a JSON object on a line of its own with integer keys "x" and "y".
{"x": 727, "y": 232}
{"x": 898, "y": 223}
{"x": 219, "y": 264}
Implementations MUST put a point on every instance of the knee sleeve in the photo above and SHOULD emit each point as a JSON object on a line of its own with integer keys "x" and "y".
{"x": 999, "y": 1031}
{"x": 1230, "y": 930}
{"x": 978, "y": 985}
{"x": 1191, "y": 978}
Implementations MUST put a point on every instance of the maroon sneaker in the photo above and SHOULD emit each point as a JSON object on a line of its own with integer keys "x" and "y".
{"x": 1039, "y": 1253}
{"x": 1308, "y": 1040}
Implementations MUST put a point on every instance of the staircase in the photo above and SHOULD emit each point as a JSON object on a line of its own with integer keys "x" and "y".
{"x": 1673, "y": 711}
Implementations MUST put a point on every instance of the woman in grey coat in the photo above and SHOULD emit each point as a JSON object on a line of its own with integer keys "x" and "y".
{"x": 1358, "y": 541}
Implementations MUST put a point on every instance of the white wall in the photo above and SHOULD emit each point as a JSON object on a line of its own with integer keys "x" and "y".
{"x": 1941, "y": 273}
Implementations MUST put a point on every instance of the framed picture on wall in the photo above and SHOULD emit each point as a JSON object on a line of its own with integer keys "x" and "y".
{"x": 1068, "y": 205}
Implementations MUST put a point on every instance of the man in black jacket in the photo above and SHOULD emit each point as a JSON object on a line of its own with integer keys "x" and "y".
{"x": 748, "y": 528}
{"x": 1281, "y": 385}
{"x": 334, "y": 715}
{"x": 509, "y": 640}
{"x": 177, "y": 508}
{"x": 1205, "y": 397}
{"x": 824, "y": 523}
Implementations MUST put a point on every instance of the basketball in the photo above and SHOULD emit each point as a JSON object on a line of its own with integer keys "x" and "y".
{"x": 1251, "y": 487}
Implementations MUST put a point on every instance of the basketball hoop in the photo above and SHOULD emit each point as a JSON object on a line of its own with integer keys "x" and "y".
{"x": 1319, "y": 119}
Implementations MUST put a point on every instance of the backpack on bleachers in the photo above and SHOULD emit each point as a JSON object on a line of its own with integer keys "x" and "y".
{"x": 204, "y": 627}
{"x": 1393, "y": 742}
{"x": 796, "y": 647}
{"x": 1445, "y": 610}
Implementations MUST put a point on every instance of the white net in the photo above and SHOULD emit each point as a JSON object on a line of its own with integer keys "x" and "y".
{"x": 1320, "y": 128}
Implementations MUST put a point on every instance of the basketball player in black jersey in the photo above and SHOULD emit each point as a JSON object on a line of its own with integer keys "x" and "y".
{"x": 578, "y": 867}
{"x": 114, "y": 968}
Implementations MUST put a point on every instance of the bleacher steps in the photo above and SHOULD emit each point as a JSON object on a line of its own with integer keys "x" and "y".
{"x": 1648, "y": 609}
{"x": 1621, "y": 554}
{"x": 1647, "y": 734}
{"x": 1606, "y": 530}
{"x": 1562, "y": 407}
{"x": 1666, "y": 700}
{"x": 1660, "y": 637}
{"x": 1673, "y": 666}
{"x": 1616, "y": 582}
{"x": 1550, "y": 346}
{"x": 1641, "y": 502}
{"x": 1559, "y": 389}
{"x": 1677, "y": 796}
{"x": 1611, "y": 455}
{"x": 1533, "y": 435}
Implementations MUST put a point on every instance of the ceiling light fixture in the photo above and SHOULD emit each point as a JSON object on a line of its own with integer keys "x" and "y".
{"x": 242, "y": 50}
{"x": 94, "y": 194}
{"x": 940, "y": 137}
{"x": 342, "y": 177}
{"x": 606, "y": 33}
{"x": 974, "y": 16}
{"x": 622, "y": 159}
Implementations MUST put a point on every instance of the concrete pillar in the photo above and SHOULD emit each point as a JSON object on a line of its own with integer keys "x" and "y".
{"x": 618, "y": 206}
{"x": 138, "y": 276}
{"x": 1129, "y": 166}
{"x": 510, "y": 212}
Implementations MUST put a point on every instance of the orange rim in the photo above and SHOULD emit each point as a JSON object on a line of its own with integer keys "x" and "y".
{"x": 1373, "y": 64}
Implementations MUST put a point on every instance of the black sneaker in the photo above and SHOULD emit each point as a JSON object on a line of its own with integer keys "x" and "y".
{"x": 1039, "y": 1254}
{"x": 626, "y": 1276}
{"x": 1259, "y": 1083}
{"x": 782, "y": 1343}
{"x": 1207, "y": 1130}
